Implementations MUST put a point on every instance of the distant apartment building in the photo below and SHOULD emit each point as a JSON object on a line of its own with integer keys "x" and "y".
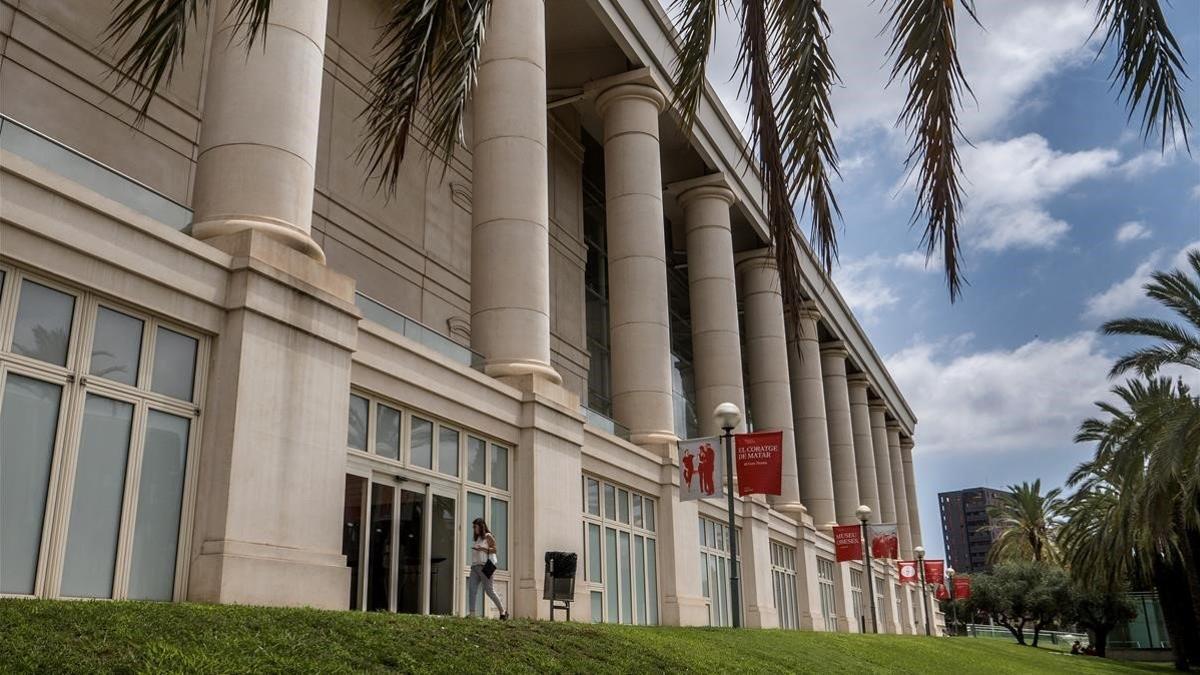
{"x": 964, "y": 527}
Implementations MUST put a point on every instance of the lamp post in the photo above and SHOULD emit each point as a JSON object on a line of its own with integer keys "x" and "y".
{"x": 920, "y": 551}
{"x": 953, "y": 606}
{"x": 727, "y": 416}
{"x": 864, "y": 514}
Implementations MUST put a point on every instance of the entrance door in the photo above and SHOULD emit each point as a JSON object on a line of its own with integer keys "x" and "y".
{"x": 406, "y": 562}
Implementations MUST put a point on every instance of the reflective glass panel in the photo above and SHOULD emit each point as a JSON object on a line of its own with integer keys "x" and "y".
{"x": 160, "y": 505}
{"x": 476, "y": 508}
{"x": 99, "y": 487}
{"x": 174, "y": 364}
{"x": 610, "y": 502}
{"x": 352, "y": 527}
{"x": 610, "y": 580}
{"x": 597, "y": 606}
{"x": 420, "y": 443}
{"x": 379, "y": 556}
{"x": 499, "y": 527}
{"x": 116, "y": 346}
{"x": 28, "y": 422}
{"x": 387, "y": 432}
{"x": 639, "y": 578}
{"x": 43, "y": 328}
{"x": 648, "y": 508}
{"x": 476, "y": 460}
{"x": 447, "y": 451}
{"x": 359, "y": 411}
{"x": 595, "y": 562}
{"x": 626, "y": 580}
{"x": 623, "y": 506}
{"x": 441, "y": 556}
{"x": 499, "y": 467}
{"x": 652, "y": 582}
{"x": 593, "y": 496}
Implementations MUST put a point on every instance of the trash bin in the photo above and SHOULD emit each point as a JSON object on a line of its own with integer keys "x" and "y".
{"x": 560, "y": 576}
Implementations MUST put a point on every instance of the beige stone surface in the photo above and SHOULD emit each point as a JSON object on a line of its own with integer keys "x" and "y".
{"x": 841, "y": 432}
{"x": 864, "y": 451}
{"x": 883, "y": 463}
{"x": 808, "y": 415}
{"x": 910, "y": 489}
{"x": 900, "y": 491}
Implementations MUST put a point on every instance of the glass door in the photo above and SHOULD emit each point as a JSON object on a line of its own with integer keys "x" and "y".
{"x": 410, "y": 543}
{"x": 443, "y": 517}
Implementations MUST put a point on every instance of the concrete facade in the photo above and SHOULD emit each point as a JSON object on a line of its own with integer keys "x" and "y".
{"x": 363, "y": 374}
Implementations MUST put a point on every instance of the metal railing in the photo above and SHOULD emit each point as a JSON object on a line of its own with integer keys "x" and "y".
{"x": 376, "y": 311}
{"x": 48, "y": 153}
{"x": 1048, "y": 637}
{"x": 605, "y": 423}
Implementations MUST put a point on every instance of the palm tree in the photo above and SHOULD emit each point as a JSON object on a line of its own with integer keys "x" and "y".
{"x": 1134, "y": 516}
{"x": 428, "y": 53}
{"x": 1179, "y": 342}
{"x": 1026, "y": 523}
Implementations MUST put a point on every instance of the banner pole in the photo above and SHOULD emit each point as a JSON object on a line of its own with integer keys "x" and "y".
{"x": 734, "y": 591}
{"x": 863, "y": 514}
{"x": 920, "y": 551}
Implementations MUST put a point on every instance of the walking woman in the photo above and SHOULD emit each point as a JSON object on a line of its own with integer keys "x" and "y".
{"x": 483, "y": 566}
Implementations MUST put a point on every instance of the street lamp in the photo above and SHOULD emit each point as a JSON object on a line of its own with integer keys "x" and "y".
{"x": 727, "y": 416}
{"x": 920, "y": 551}
{"x": 864, "y": 514}
{"x": 953, "y": 606}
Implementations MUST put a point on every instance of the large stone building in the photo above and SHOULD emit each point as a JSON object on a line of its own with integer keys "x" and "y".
{"x": 234, "y": 371}
{"x": 967, "y": 529}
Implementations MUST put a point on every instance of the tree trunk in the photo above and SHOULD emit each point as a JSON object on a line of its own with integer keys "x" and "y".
{"x": 1016, "y": 631}
{"x": 1101, "y": 641}
{"x": 1037, "y": 631}
{"x": 1176, "y": 607}
{"x": 1192, "y": 568}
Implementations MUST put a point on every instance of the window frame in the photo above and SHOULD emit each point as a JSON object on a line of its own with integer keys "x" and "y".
{"x": 648, "y": 531}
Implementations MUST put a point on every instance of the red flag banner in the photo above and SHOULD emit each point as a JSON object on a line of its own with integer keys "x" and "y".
{"x": 908, "y": 571}
{"x": 759, "y": 463}
{"x": 962, "y": 588}
{"x": 935, "y": 570}
{"x": 941, "y": 592}
{"x": 847, "y": 542}
{"x": 885, "y": 542}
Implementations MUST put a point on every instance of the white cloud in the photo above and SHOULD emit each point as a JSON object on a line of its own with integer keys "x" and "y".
{"x": 1147, "y": 162}
{"x": 1028, "y": 398}
{"x": 1127, "y": 294}
{"x": 865, "y": 284}
{"x": 1011, "y": 182}
{"x": 1196, "y": 191}
{"x": 1132, "y": 231}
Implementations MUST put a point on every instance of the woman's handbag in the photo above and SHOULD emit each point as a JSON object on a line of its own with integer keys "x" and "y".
{"x": 489, "y": 567}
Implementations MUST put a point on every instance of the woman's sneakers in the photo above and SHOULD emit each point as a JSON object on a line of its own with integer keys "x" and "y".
{"x": 504, "y": 616}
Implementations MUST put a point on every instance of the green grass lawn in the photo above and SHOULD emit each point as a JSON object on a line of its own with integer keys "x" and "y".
{"x": 94, "y": 637}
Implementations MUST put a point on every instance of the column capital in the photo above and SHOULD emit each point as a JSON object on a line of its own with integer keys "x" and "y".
{"x": 857, "y": 381}
{"x": 906, "y": 443}
{"x": 762, "y": 257}
{"x": 834, "y": 348}
{"x": 877, "y": 405}
{"x": 808, "y": 311}
{"x": 633, "y": 84}
{"x": 893, "y": 425}
{"x": 712, "y": 186}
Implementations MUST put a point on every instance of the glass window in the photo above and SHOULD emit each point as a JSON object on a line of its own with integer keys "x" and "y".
{"x": 610, "y": 581}
{"x": 387, "y": 430}
{"x": 499, "y": 527}
{"x": 593, "y": 496}
{"x": 626, "y": 580}
{"x": 623, "y": 506}
{"x": 476, "y": 460}
{"x": 174, "y": 364}
{"x": 595, "y": 562}
{"x": 43, "y": 328}
{"x": 639, "y": 577}
{"x": 476, "y": 508}
{"x": 28, "y": 426}
{"x": 652, "y": 581}
{"x": 116, "y": 346}
{"x": 91, "y": 556}
{"x": 420, "y": 443}
{"x": 447, "y": 451}
{"x": 357, "y": 436}
{"x": 499, "y": 467}
{"x": 597, "y": 606}
{"x": 160, "y": 504}
{"x": 637, "y": 511}
{"x": 610, "y": 501}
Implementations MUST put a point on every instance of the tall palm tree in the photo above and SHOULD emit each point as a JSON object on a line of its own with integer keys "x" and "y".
{"x": 1026, "y": 523}
{"x": 428, "y": 54}
{"x": 1179, "y": 343}
{"x": 1135, "y": 513}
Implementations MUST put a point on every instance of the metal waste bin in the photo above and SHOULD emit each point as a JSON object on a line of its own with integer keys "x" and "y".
{"x": 560, "y": 581}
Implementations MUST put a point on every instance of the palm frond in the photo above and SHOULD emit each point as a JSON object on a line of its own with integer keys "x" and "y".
{"x": 427, "y": 61}
{"x": 698, "y": 20}
{"x": 925, "y": 55}
{"x": 158, "y": 29}
{"x": 807, "y": 75}
{"x": 1149, "y": 65}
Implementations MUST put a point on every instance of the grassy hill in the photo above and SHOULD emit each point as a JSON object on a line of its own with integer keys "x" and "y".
{"x": 95, "y": 637}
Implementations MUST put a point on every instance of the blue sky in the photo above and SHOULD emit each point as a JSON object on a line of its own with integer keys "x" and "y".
{"x": 1067, "y": 212}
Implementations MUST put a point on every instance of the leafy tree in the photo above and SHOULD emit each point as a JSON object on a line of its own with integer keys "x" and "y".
{"x": 428, "y": 55}
{"x": 1022, "y": 593}
{"x": 1179, "y": 342}
{"x": 1100, "y": 611}
{"x": 1025, "y": 522}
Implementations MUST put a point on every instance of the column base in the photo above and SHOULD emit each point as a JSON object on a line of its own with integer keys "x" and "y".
{"x": 518, "y": 368}
{"x": 253, "y": 574}
{"x": 794, "y": 510}
{"x": 653, "y": 438}
{"x": 684, "y": 611}
{"x": 278, "y": 230}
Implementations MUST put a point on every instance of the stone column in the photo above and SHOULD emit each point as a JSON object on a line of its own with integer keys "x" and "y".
{"x": 910, "y": 490}
{"x": 510, "y": 240}
{"x": 256, "y": 165}
{"x": 864, "y": 452}
{"x": 766, "y": 347}
{"x": 808, "y": 416}
{"x": 883, "y": 463}
{"x": 637, "y": 273}
{"x": 900, "y": 491}
{"x": 716, "y": 343}
{"x": 841, "y": 434}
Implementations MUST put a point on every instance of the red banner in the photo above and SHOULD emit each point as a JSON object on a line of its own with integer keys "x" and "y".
{"x": 759, "y": 463}
{"x": 962, "y": 588}
{"x": 885, "y": 541}
{"x": 908, "y": 571}
{"x": 847, "y": 542}
{"x": 935, "y": 571}
{"x": 941, "y": 593}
